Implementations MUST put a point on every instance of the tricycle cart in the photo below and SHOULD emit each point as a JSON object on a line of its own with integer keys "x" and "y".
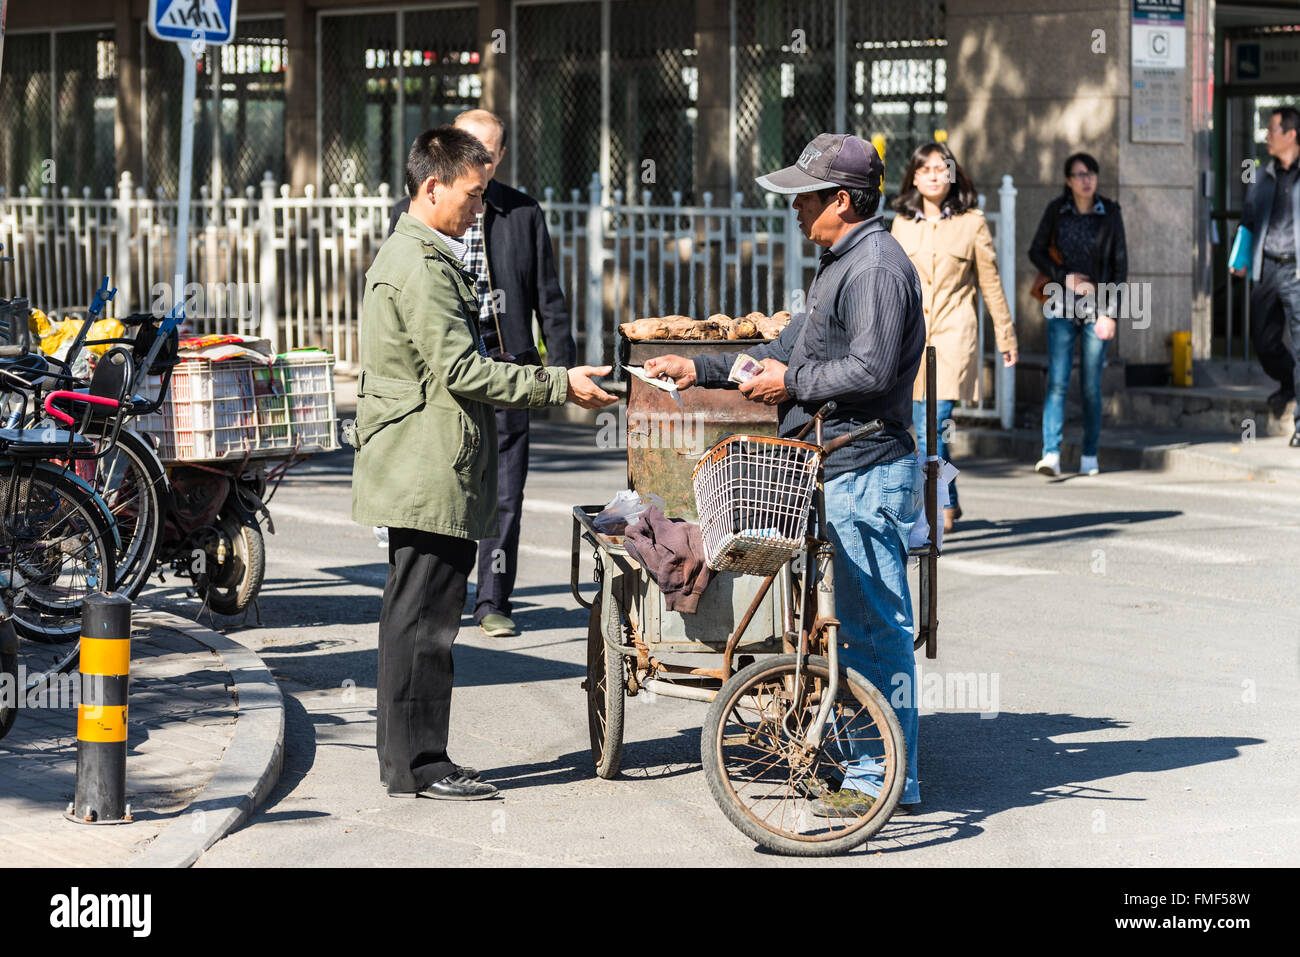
{"x": 802, "y": 754}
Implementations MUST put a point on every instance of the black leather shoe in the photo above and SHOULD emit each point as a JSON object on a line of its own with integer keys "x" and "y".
{"x": 1295, "y": 440}
{"x": 471, "y": 773}
{"x": 1278, "y": 400}
{"x": 454, "y": 787}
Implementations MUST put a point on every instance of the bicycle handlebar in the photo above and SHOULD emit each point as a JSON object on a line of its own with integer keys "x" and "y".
{"x": 77, "y": 396}
{"x": 824, "y": 411}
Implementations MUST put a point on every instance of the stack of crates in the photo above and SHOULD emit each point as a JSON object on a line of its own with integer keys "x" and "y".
{"x": 235, "y": 407}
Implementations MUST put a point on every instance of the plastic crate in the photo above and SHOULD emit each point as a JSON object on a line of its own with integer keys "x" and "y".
{"x": 218, "y": 410}
{"x": 306, "y": 380}
{"x": 236, "y": 407}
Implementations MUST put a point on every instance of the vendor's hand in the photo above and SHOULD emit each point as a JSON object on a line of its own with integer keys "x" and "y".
{"x": 768, "y": 386}
{"x": 1010, "y": 357}
{"x": 678, "y": 368}
{"x": 585, "y": 393}
{"x": 1238, "y": 272}
{"x": 1104, "y": 327}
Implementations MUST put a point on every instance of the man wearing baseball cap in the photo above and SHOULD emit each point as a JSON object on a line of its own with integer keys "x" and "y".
{"x": 858, "y": 341}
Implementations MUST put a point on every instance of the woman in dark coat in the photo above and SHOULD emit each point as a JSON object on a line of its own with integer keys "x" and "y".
{"x": 1080, "y": 247}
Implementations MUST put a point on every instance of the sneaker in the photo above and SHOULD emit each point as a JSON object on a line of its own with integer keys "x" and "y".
{"x": 497, "y": 626}
{"x": 815, "y": 787}
{"x": 1088, "y": 465}
{"x": 844, "y": 803}
{"x": 1049, "y": 464}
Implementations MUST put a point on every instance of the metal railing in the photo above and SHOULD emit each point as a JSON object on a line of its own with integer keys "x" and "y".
{"x": 292, "y": 269}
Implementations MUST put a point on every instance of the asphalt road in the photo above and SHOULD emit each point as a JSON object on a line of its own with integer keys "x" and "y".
{"x": 1136, "y": 635}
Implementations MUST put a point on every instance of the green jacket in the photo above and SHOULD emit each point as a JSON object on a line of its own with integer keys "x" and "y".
{"x": 425, "y": 431}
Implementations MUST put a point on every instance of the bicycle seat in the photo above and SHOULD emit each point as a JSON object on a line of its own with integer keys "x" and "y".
{"x": 45, "y": 444}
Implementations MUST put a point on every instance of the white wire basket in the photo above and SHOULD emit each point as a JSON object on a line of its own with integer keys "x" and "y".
{"x": 752, "y": 494}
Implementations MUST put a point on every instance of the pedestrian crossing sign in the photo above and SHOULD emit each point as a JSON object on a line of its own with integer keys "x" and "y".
{"x": 205, "y": 21}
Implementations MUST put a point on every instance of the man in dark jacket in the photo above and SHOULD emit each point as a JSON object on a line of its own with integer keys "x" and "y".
{"x": 1271, "y": 212}
{"x": 509, "y": 248}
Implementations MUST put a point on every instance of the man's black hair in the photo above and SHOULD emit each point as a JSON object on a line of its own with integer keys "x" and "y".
{"x": 865, "y": 202}
{"x": 1290, "y": 118}
{"x": 1087, "y": 159}
{"x": 445, "y": 153}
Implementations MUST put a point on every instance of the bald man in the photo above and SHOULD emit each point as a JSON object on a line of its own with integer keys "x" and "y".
{"x": 509, "y": 249}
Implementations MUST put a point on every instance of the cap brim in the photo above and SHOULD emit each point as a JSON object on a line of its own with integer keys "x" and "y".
{"x": 792, "y": 180}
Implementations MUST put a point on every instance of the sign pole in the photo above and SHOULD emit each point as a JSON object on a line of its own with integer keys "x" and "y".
{"x": 189, "y": 54}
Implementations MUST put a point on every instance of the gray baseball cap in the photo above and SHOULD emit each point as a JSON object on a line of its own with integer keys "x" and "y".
{"x": 832, "y": 159}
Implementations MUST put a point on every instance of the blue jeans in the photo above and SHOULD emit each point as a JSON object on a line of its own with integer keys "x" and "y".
{"x": 1061, "y": 336}
{"x": 942, "y": 415}
{"x": 871, "y": 513}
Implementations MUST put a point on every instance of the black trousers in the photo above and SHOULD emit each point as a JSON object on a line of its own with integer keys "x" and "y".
{"x": 498, "y": 558}
{"x": 423, "y": 600}
{"x": 1275, "y": 302}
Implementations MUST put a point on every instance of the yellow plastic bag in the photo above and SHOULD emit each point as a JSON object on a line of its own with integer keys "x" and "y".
{"x": 55, "y": 337}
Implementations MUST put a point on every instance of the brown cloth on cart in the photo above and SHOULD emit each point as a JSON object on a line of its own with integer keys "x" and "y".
{"x": 671, "y": 550}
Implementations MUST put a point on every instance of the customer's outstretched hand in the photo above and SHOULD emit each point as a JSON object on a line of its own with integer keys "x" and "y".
{"x": 585, "y": 393}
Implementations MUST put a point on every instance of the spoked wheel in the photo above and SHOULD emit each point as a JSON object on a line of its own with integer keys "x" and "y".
{"x": 606, "y": 676}
{"x": 131, "y": 479}
{"x": 55, "y": 549}
{"x": 772, "y": 787}
{"x": 234, "y": 564}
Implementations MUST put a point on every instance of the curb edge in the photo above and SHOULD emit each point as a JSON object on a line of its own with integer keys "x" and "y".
{"x": 251, "y": 764}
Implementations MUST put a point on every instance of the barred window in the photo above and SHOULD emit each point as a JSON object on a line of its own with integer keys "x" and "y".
{"x": 61, "y": 88}
{"x": 386, "y": 77}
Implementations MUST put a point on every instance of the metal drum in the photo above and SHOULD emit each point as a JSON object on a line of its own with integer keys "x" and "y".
{"x": 665, "y": 441}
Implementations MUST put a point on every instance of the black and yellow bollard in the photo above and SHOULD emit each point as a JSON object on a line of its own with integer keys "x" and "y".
{"x": 101, "y": 713}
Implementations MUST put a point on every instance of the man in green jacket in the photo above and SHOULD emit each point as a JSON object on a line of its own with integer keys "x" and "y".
{"x": 425, "y": 436}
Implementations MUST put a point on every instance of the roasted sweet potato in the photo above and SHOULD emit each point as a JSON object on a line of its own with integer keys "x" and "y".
{"x": 642, "y": 329}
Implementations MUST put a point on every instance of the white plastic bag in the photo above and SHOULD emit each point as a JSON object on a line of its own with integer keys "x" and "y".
{"x": 624, "y": 509}
{"x": 920, "y": 536}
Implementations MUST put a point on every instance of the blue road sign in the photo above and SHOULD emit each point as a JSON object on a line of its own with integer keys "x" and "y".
{"x": 208, "y": 21}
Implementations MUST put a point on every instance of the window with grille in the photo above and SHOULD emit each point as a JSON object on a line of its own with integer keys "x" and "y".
{"x": 60, "y": 92}
{"x": 384, "y": 78}
{"x": 239, "y": 109}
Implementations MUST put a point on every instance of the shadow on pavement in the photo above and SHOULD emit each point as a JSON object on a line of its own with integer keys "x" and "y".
{"x": 973, "y": 535}
{"x": 974, "y": 768}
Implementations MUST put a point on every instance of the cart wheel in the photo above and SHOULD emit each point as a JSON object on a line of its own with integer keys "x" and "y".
{"x": 765, "y": 781}
{"x": 605, "y": 684}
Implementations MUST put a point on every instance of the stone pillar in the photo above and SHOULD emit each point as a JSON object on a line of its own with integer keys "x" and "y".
{"x": 496, "y": 46}
{"x": 300, "y": 82}
{"x": 1026, "y": 89}
{"x": 127, "y": 130}
{"x": 713, "y": 123}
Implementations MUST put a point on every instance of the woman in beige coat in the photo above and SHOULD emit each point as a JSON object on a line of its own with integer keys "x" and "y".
{"x": 941, "y": 228}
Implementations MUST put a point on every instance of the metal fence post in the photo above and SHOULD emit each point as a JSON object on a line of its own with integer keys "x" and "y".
{"x": 793, "y": 263}
{"x": 1006, "y": 378}
{"x": 122, "y": 272}
{"x": 595, "y": 351}
{"x": 267, "y": 280}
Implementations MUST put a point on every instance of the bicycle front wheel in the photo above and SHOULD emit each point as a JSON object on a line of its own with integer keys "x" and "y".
{"x": 56, "y": 548}
{"x": 130, "y": 479}
{"x": 780, "y": 793}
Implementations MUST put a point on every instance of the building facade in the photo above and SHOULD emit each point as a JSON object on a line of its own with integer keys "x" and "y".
{"x": 696, "y": 97}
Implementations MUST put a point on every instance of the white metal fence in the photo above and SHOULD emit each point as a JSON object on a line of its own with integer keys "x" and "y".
{"x": 292, "y": 269}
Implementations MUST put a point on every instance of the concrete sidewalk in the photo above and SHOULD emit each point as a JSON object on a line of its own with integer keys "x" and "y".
{"x": 205, "y": 733}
